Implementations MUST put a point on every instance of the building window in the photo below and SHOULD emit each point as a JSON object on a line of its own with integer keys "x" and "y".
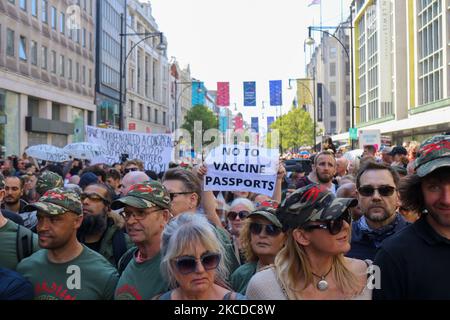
{"x": 53, "y": 61}
{"x": 156, "y": 116}
{"x": 54, "y": 18}
{"x": 33, "y": 52}
{"x": 332, "y": 127}
{"x": 44, "y": 53}
{"x": 141, "y": 111}
{"x": 77, "y": 72}
{"x": 23, "y": 5}
{"x": 33, "y": 107}
{"x": 332, "y": 89}
{"x": 333, "y": 52}
{"x": 83, "y": 38}
{"x": 149, "y": 114}
{"x": 332, "y": 69}
{"x": 131, "y": 108}
{"x": 56, "y": 108}
{"x": 34, "y": 9}
{"x": 70, "y": 68}
{"x": 164, "y": 118}
{"x": 83, "y": 75}
{"x": 62, "y": 23}
{"x": 90, "y": 78}
{"x": 61, "y": 65}
{"x": 23, "y": 48}
{"x": 10, "y": 42}
{"x": 45, "y": 11}
{"x": 333, "y": 109}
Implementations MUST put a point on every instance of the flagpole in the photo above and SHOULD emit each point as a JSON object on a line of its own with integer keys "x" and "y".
{"x": 320, "y": 4}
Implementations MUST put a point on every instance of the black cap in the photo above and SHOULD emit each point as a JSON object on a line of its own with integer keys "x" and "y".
{"x": 398, "y": 150}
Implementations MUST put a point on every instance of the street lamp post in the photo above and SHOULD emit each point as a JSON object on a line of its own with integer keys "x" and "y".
{"x": 123, "y": 62}
{"x": 313, "y": 96}
{"x": 311, "y": 41}
{"x": 177, "y": 98}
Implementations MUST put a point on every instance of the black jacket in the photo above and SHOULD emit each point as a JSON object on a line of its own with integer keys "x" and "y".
{"x": 414, "y": 264}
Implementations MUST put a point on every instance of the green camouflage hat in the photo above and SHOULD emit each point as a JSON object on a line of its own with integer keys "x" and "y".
{"x": 433, "y": 153}
{"x": 57, "y": 201}
{"x": 312, "y": 203}
{"x": 48, "y": 180}
{"x": 143, "y": 195}
{"x": 267, "y": 213}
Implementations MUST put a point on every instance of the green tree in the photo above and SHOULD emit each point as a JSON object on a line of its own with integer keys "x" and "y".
{"x": 295, "y": 129}
{"x": 203, "y": 114}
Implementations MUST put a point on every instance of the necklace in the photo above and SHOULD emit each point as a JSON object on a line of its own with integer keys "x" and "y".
{"x": 322, "y": 285}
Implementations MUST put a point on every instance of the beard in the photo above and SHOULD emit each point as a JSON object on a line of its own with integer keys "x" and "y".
{"x": 93, "y": 224}
{"x": 439, "y": 219}
{"x": 378, "y": 217}
{"x": 324, "y": 178}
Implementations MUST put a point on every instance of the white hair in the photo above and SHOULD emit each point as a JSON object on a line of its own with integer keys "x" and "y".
{"x": 243, "y": 201}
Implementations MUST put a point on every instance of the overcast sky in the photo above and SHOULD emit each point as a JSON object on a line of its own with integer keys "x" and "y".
{"x": 244, "y": 40}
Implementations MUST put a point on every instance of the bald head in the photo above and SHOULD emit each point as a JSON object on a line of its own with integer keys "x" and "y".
{"x": 131, "y": 178}
{"x": 347, "y": 190}
{"x": 341, "y": 166}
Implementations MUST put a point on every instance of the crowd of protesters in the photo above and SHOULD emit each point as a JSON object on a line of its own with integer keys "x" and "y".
{"x": 76, "y": 231}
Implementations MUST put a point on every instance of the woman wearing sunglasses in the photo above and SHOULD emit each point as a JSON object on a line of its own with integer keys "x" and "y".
{"x": 193, "y": 261}
{"x": 261, "y": 239}
{"x": 312, "y": 263}
{"x": 239, "y": 210}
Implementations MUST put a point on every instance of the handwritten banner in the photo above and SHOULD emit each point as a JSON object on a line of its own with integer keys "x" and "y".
{"x": 155, "y": 150}
{"x": 241, "y": 168}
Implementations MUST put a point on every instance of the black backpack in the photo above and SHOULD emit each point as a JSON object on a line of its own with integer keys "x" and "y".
{"x": 125, "y": 260}
{"x": 24, "y": 242}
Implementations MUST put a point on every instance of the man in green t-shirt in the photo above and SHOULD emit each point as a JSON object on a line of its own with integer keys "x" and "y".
{"x": 9, "y": 256}
{"x": 65, "y": 269}
{"x": 146, "y": 213}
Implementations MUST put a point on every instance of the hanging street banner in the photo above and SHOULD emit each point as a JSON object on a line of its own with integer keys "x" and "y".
{"x": 250, "y": 94}
{"x": 154, "y": 150}
{"x": 243, "y": 168}
{"x": 304, "y": 92}
{"x": 270, "y": 120}
{"x": 198, "y": 94}
{"x": 319, "y": 102}
{"x": 255, "y": 124}
{"x": 223, "y": 94}
{"x": 276, "y": 92}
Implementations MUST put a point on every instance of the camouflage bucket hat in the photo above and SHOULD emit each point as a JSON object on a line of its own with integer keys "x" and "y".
{"x": 48, "y": 180}
{"x": 267, "y": 213}
{"x": 312, "y": 203}
{"x": 144, "y": 195}
{"x": 433, "y": 153}
{"x": 58, "y": 201}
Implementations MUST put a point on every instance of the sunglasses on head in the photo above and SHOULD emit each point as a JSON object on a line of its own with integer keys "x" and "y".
{"x": 232, "y": 215}
{"x": 188, "y": 264}
{"x": 270, "y": 229}
{"x": 130, "y": 169}
{"x": 333, "y": 226}
{"x": 384, "y": 191}
{"x": 92, "y": 196}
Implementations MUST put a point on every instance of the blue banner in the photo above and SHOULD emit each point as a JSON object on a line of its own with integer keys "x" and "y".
{"x": 198, "y": 93}
{"x": 270, "y": 120}
{"x": 255, "y": 124}
{"x": 250, "y": 94}
{"x": 223, "y": 123}
{"x": 276, "y": 93}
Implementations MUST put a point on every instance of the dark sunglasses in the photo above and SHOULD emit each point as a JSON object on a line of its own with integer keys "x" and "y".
{"x": 130, "y": 169}
{"x": 93, "y": 196}
{"x": 333, "y": 226}
{"x": 173, "y": 194}
{"x": 188, "y": 264}
{"x": 232, "y": 215}
{"x": 270, "y": 229}
{"x": 384, "y": 191}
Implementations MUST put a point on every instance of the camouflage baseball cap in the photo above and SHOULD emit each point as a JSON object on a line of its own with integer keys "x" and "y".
{"x": 48, "y": 180}
{"x": 143, "y": 195}
{"x": 266, "y": 213}
{"x": 57, "y": 201}
{"x": 433, "y": 153}
{"x": 312, "y": 203}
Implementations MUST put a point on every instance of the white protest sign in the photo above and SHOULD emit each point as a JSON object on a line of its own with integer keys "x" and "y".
{"x": 369, "y": 137}
{"x": 155, "y": 150}
{"x": 242, "y": 168}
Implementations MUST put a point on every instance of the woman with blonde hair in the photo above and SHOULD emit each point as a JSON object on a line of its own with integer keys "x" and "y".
{"x": 312, "y": 263}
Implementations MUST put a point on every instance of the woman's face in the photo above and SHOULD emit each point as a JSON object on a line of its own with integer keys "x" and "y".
{"x": 263, "y": 244}
{"x": 200, "y": 279}
{"x": 237, "y": 223}
{"x": 241, "y": 194}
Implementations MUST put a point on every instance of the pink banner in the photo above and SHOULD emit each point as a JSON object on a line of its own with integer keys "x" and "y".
{"x": 223, "y": 94}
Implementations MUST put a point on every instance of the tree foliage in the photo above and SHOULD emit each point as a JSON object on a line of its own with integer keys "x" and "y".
{"x": 200, "y": 113}
{"x": 295, "y": 129}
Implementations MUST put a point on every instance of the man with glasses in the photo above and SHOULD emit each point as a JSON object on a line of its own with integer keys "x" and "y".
{"x": 132, "y": 165}
{"x": 378, "y": 201}
{"x": 102, "y": 230}
{"x": 415, "y": 263}
{"x": 146, "y": 213}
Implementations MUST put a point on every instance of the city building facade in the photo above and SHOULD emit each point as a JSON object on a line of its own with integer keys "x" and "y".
{"x": 47, "y": 65}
